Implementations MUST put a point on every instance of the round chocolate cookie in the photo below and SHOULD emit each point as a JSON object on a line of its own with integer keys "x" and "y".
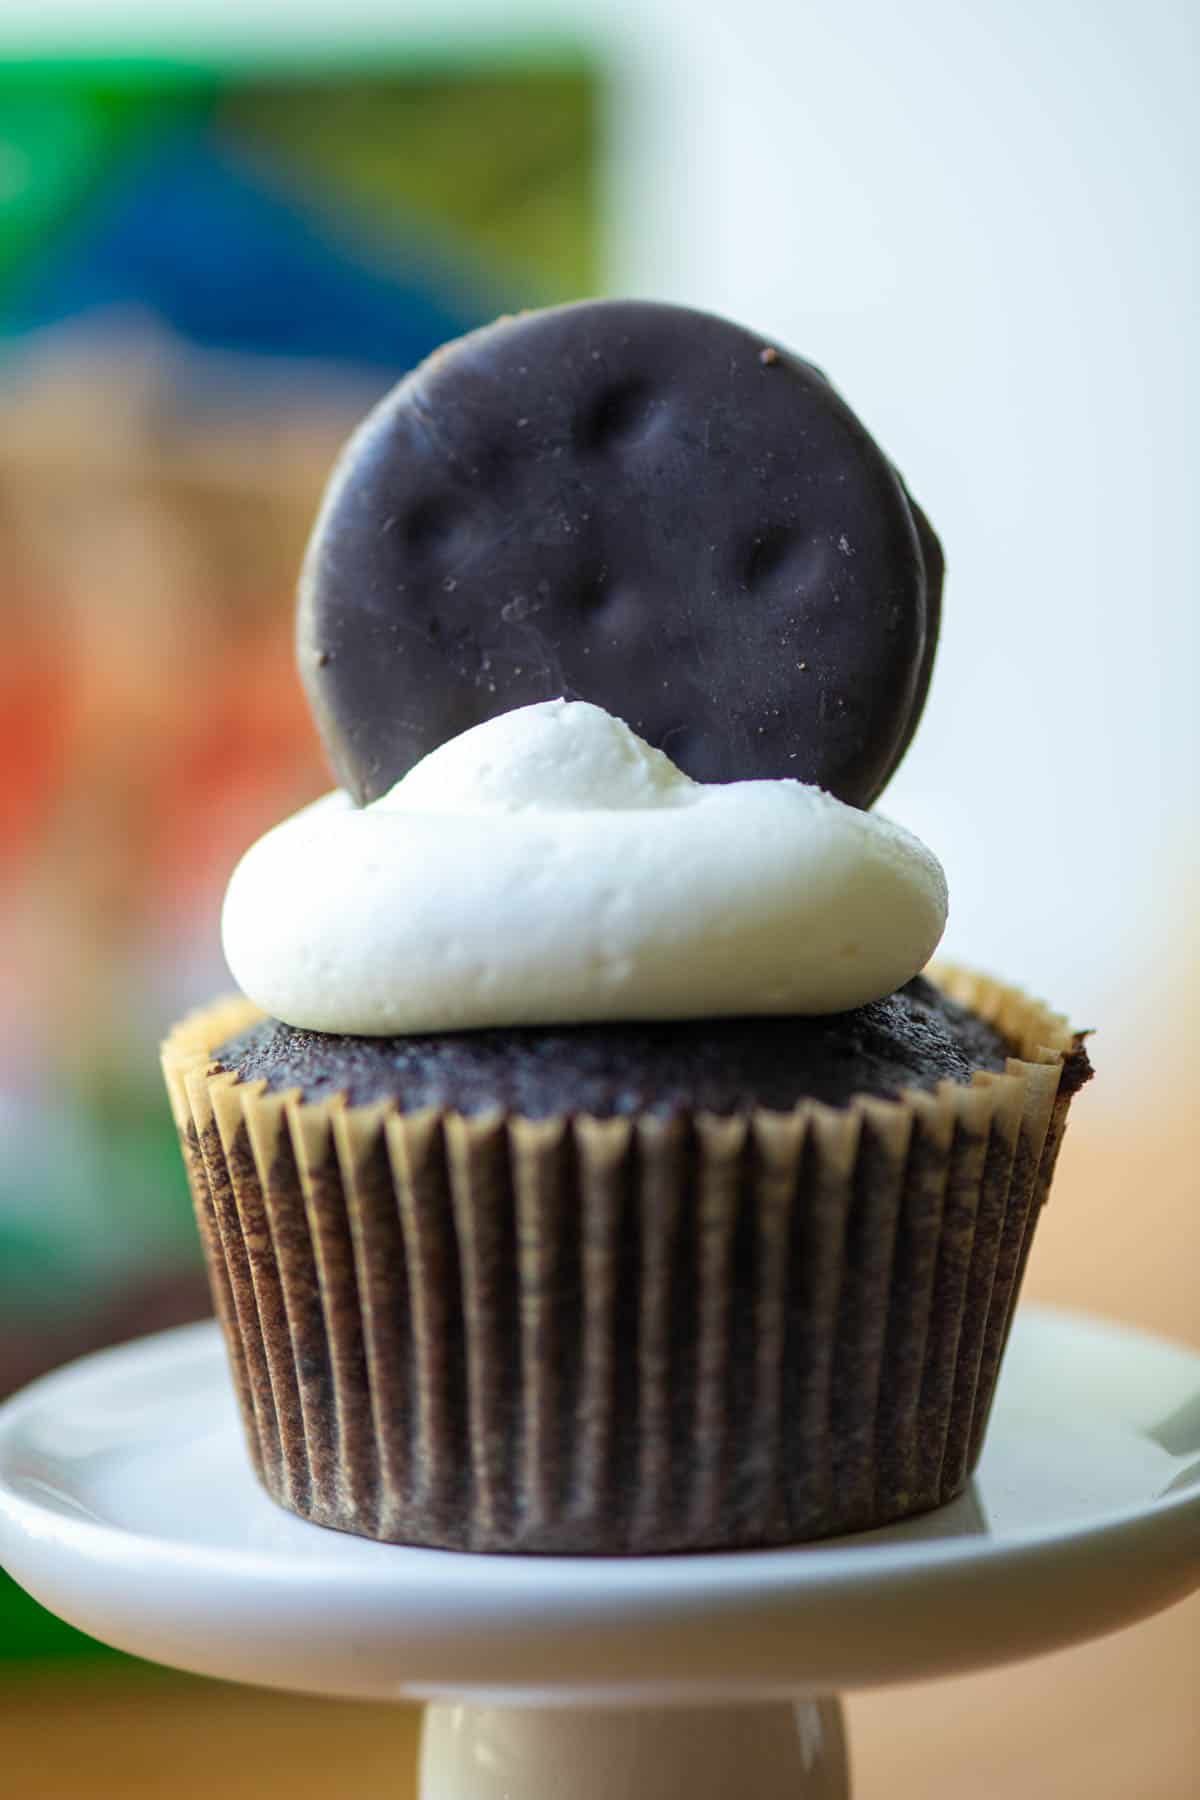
{"x": 633, "y": 504}
{"x": 915, "y": 1038}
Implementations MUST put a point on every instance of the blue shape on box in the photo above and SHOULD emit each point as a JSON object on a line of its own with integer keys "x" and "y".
{"x": 201, "y": 242}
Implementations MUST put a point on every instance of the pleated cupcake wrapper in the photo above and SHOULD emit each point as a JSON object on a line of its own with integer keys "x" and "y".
{"x": 582, "y": 1335}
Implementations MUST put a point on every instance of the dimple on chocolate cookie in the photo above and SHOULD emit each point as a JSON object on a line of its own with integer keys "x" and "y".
{"x": 633, "y": 504}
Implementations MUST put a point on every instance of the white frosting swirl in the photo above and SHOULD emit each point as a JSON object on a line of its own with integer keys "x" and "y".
{"x": 549, "y": 867}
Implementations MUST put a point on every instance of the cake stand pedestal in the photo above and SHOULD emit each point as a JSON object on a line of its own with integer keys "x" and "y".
{"x": 127, "y": 1506}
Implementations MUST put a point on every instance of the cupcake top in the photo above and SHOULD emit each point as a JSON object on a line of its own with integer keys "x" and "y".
{"x": 614, "y": 620}
{"x": 915, "y": 1038}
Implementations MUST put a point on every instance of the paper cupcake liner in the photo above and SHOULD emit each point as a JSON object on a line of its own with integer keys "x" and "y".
{"x": 617, "y": 1336}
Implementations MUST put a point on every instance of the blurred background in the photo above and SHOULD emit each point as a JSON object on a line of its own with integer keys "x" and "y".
{"x": 219, "y": 241}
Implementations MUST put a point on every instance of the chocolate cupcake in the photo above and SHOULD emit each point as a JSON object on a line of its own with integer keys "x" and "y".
{"x": 597, "y": 1171}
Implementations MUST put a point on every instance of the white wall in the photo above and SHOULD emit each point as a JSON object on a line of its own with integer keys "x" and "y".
{"x": 981, "y": 220}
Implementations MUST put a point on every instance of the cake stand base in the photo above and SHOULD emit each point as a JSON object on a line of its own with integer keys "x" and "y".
{"x": 774, "y": 1752}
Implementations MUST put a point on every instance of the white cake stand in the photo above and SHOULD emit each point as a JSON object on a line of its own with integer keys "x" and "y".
{"x": 127, "y": 1506}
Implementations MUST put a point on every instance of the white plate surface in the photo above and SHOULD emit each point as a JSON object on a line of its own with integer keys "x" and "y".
{"x": 127, "y": 1505}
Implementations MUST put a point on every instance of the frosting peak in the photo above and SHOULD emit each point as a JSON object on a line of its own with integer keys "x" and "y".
{"x": 559, "y": 756}
{"x": 548, "y": 867}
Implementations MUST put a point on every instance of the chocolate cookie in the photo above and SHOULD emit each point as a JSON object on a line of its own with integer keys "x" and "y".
{"x": 633, "y": 504}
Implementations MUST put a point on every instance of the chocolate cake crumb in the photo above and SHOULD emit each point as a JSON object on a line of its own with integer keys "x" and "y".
{"x": 914, "y": 1038}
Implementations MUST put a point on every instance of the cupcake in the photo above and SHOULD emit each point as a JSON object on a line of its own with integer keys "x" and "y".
{"x": 591, "y": 1167}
